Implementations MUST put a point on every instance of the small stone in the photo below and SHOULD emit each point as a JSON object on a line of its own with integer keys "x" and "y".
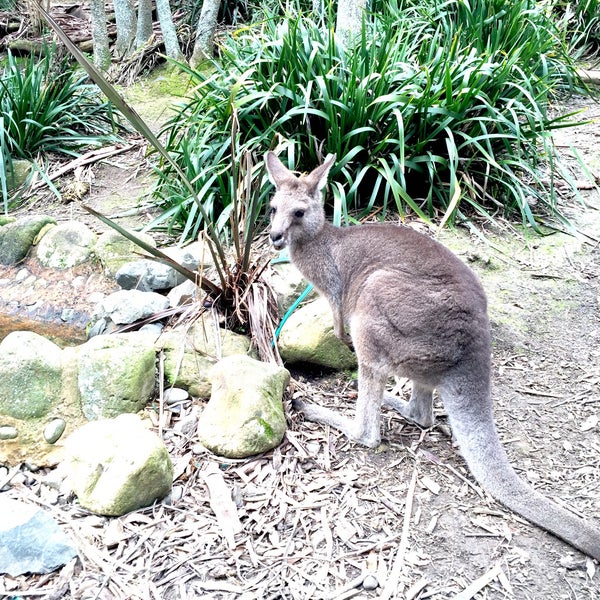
{"x": 153, "y": 328}
{"x": 174, "y": 395}
{"x": 8, "y": 432}
{"x": 67, "y": 315}
{"x": 54, "y": 430}
{"x": 21, "y": 275}
{"x": 572, "y": 563}
{"x": 176, "y": 493}
{"x": 370, "y": 582}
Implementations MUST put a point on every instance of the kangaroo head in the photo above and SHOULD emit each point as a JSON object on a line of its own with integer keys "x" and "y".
{"x": 296, "y": 209}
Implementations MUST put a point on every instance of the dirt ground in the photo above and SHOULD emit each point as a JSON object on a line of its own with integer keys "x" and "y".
{"x": 324, "y": 518}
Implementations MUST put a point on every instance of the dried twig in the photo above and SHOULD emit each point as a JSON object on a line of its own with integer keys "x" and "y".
{"x": 391, "y": 586}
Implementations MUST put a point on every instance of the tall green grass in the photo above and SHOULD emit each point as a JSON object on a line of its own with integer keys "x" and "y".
{"x": 48, "y": 106}
{"x": 440, "y": 110}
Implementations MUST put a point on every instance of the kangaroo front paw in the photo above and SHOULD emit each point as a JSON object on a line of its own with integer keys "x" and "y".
{"x": 347, "y": 340}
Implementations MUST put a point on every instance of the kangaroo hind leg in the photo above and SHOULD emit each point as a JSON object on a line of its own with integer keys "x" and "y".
{"x": 419, "y": 409}
{"x": 365, "y": 428}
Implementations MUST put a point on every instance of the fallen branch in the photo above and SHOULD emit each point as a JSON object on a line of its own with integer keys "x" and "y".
{"x": 85, "y": 159}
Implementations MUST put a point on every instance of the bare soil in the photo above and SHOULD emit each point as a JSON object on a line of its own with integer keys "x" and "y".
{"x": 319, "y": 513}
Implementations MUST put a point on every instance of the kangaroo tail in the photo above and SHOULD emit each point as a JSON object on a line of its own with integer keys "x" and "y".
{"x": 473, "y": 426}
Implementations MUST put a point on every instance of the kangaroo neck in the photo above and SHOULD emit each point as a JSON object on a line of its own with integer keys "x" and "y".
{"x": 315, "y": 258}
{"x": 310, "y": 250}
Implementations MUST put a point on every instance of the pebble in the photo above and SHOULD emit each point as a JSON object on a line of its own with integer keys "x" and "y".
{"x": 8, "y": 432}
{"x": 54, "y": 430}
{"x": 174, "y": 395}
{"x": 370, "y": 582}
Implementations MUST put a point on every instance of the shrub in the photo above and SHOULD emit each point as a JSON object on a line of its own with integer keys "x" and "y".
{"x": 440, "y": 104}
{"x": 48, "y": 107}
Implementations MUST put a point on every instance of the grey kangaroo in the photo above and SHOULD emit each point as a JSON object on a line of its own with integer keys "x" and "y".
{"x": 413, "y": 310}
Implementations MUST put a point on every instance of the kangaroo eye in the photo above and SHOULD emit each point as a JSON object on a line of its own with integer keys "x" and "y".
{"x": 272, "y": 211}
{"x": 299, "y": 214}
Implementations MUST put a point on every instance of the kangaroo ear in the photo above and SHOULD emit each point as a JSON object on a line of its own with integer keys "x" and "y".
{"x": 317, "y": 179}
{"x": 278, "y": 172}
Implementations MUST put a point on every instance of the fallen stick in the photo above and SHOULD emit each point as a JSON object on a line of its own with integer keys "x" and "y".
{"x": 479, "y": 584}
{"x": 391, "y": 587}
{"x": 222, "y": 504}
{"x": 85, "y": 159}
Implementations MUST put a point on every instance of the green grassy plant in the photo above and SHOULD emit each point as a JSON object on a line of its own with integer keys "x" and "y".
{"x": 579, "y": 23}
{"x": 48, "y": 106}
{"x": 440, "y": 110}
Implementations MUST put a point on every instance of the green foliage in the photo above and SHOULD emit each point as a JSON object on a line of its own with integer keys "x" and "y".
{"x": 580, "y": 23}
{"x": 440, "y": 104}
{"x": 47, "y": 106}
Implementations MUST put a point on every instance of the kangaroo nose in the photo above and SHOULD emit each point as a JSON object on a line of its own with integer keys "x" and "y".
{"x": 277, "y": 239}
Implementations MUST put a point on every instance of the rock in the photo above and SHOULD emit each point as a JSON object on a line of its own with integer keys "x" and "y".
{"x": 128, "y": 306}
{"x": 54, "y": 430}
{"x": 190, "y": 257}
{"x": 245, "y": 414}
{"x": 114, "y": 250}
{"x": 288, "y": 284}
{"x": 191, "y": 353}
{"x": 30, "y": 540}
{"x": 17, "y": 173}
{"x": 16, "y": 238}
{"x": 31, "y": 375}
{"x": 307, "y": 337}
{"x": 201, "y": 256}
{"x": 8, "y": 432}
{"x": 175, "y": 395}
{"x": 185, "y": 291}
{"x": 147, "y": 276}
{"x": 117, "y": 465}
{"x": 115, "y": 374}
{"x": 66, "y": 245}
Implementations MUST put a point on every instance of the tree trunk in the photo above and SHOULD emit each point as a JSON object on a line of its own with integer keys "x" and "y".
{"x": 100, "y": 35}
{"x": 144, "y": 23}
{"x": 125, "y": 19}
{"x": 350, "y": 14}
{"x": 172, "y": 50}
{"x": 34, "y": 13}
{"x": 205, "y": 32}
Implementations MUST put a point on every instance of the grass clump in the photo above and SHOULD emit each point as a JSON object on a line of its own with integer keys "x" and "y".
{"x": 47, "y": 106}
{"x": 440, "y": 109}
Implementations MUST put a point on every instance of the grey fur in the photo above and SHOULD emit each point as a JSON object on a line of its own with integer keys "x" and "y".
{"x": 413, "y": 310}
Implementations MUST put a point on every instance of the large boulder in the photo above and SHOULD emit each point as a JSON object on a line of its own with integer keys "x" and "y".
{"x": 115, "y": 466}
{"x": 114, "y": 250}
{"x": 191, "y": 353}
{"x": 16, "y": 238}
{"x": 31, "y": 370}
{"x": 115, "y": 374}
{"x": 307, "y": 337}
{"x": 128, "y": 306}
{"x": 66, "y": 245}
{"x": 245, "y": 414}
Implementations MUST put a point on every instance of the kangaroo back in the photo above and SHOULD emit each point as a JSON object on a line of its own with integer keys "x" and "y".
{"x": 414, "y": 310}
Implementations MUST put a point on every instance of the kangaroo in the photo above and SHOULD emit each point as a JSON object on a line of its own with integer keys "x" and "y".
{"x": 415, "y": 310}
